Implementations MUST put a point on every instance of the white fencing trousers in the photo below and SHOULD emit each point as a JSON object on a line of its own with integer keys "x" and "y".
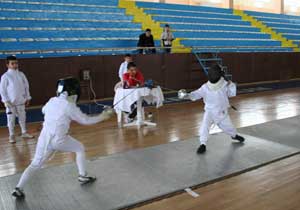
{"x": 12, "y": 113}
{"x": 44, "y": 152}
{"x": 224, "y": 124}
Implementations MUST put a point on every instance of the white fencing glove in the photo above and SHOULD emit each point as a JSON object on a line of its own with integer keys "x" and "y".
{"x": 182, "y": 94}
{"x": 107, "y": 113}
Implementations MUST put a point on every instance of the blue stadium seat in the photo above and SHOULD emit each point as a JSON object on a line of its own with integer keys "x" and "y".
{"x": 69, "y": 24}
{"x": 87, "y": 2}
{"x": 221, "y": 34}
{"x": 272, "y": 15}
{"x": 212, "y": 27}
{"x": 52, "y": 45}
{"x": 67, "y": 34}
{"x": 58, "y": 15}
{"x": 191, "y": 14}
{"x": 197, "y": 20}
{"x": 32, "y": 6}
{"x": 228, "y": 43}
{"x": 182, "y": 7}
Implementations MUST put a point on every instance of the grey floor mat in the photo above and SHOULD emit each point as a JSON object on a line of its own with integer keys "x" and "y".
{"x": 286, "y": 131}
{"x": 139, "y": 175}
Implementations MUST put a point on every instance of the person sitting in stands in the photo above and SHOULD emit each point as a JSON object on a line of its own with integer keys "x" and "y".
{"x": 146, "y": 40}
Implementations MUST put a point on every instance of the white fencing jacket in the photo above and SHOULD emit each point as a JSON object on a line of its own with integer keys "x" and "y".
{"x": 123, "y": 69}
{"x": 14, "y": 87}
{"x": 215, "y": 96}
{"x": 59, "y": 113}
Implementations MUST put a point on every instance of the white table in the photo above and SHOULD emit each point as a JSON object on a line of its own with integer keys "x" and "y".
{"x": 130, "y": 96}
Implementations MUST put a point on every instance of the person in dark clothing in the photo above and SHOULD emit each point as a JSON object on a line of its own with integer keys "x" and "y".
{"x": 146, "y": 40}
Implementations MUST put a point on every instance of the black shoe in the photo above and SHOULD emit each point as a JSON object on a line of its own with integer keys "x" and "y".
{"x": 239, "y": 138}
{"x": 18, "y": 193}
{"x": 86, "y": 179}
{"x": 201, "y": 149}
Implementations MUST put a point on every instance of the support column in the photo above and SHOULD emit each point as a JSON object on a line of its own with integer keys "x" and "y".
{"x": 282, "y": 7}
{"x": 231, "y": 4}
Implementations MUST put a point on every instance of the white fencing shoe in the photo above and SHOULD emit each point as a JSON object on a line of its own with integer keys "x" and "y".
{"x": 27, "y": 136}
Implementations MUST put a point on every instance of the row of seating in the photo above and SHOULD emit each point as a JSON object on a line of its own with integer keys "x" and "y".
{"x": 192, "y": 14}
{"x": 206, "y": 26}
{"x": 230, "y": 42}
{"x": 71, "y": 23}
{"x": 243, "y": 49}
{"x": 63, "y": 14}
{"x": 51, "y": 22}
{"x": 89, "y": 43}
{"x": 68, "y": 34}
{"x": 280, "y": 17}
{"x": 85, "y": 32}
{"x": 53, "y": 44}
{"x": 56, "y": 27}
{"x": 222, "y": 27}
{"x": 66, "y": 29}
{"x": 180, "y": 7}
{"x": 287, "y": 25}
{"x": 66, "y": 2}
{"x": 66, "y": 7}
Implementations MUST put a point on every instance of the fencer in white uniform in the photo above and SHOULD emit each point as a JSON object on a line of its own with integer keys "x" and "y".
{"x": 215, "y": 93}
{"x": 58, "y": 113}
{"x": 14, "y": 91}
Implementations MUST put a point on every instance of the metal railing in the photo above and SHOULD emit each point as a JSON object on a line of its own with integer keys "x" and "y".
{"x": 120, "y": 50}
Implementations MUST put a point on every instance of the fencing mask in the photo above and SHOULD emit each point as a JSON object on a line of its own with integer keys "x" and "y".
{"x": 214, "y": 73}
{"x": 71, "y": 86}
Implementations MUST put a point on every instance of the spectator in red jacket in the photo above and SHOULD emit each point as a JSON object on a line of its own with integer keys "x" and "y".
{"x": 133, "y": 77}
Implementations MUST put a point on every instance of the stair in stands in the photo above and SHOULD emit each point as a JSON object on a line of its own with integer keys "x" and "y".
{"x": 147, "y": 22}
{"x": 207, "y": 59}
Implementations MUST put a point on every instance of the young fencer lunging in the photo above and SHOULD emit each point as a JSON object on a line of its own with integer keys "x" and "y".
{"x": 59, "y": 111}
{"x": 215, "y": 93}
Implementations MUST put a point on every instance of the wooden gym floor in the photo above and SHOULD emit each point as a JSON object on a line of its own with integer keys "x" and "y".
{"x": 275, "y": 186}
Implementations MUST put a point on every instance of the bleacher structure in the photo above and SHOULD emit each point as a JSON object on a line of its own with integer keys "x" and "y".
{"x": 43, "y": 28}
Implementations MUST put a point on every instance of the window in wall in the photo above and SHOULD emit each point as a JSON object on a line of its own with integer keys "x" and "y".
{"x": 211, "y": 3}
{"x": 273, "y": 6}
{"x": 187, "y": 2}
{"x": 292, "y": 7}
{"x": 150, "y": 0}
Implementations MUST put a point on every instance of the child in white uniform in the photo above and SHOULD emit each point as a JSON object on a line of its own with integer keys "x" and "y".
{"x": 215, "y": 94}
{"x": 123, "y": 66}
{"x": 14, "y": 91}
{"x": 59, "y": 112}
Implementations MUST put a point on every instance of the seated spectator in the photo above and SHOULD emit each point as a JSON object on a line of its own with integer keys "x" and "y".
{"x": 133, "y": 77}
{"x": 167, "y": 39}
{"x": 123, "y": 66}
{"x": 146, "y": 40}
